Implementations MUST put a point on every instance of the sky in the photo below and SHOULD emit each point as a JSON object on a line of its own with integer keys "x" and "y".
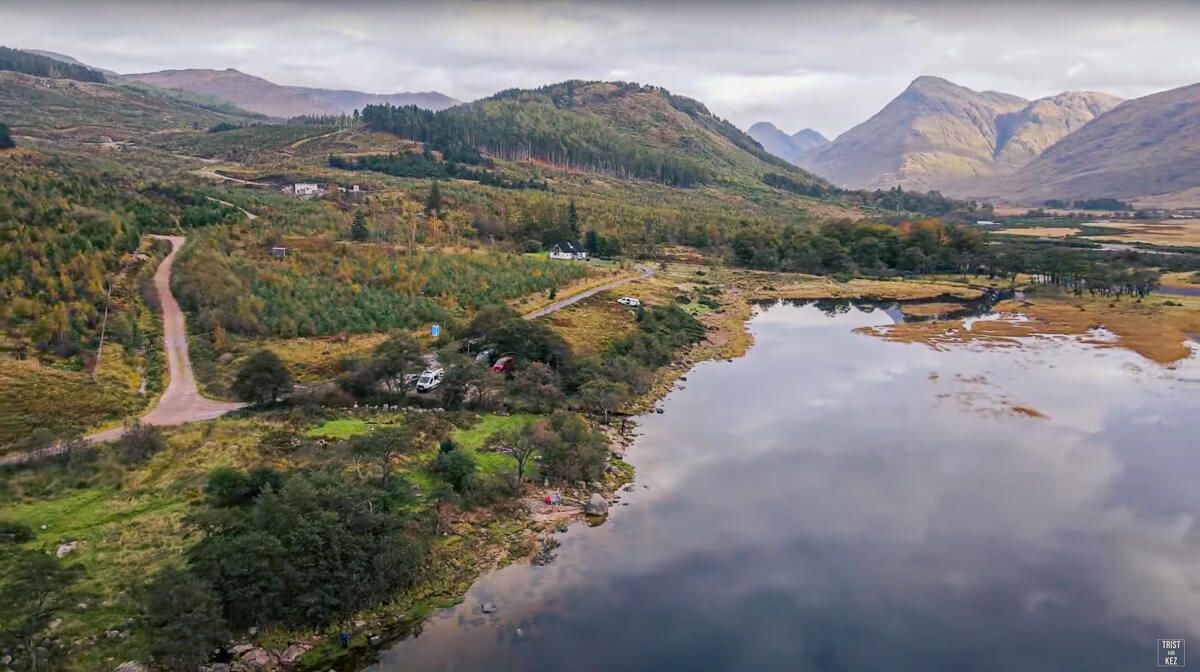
{"x": 822, "y": 65}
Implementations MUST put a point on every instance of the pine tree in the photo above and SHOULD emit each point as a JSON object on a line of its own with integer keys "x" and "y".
{"x": 573, "y": 220}
{"x": 433, "y": 204}
{"x": 358, "y": 230}
{"x": 6, "y": 141}
{"x": 591, "y": 242}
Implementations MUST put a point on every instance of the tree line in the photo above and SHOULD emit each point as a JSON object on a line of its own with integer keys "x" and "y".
{"x": 534, "y": 130}
{"x": 896, "y": 199}
{"x": 424, "y": 165}
{"x": 44, "y": 66}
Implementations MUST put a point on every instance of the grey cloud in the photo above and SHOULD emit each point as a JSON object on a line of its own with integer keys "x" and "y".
{"x": 819, "y": 64}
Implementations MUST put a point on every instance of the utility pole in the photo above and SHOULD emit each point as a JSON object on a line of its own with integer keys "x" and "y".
{"x": 103, "y": 327}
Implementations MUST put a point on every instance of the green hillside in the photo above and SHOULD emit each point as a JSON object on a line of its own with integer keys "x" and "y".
{"x": 88, "y": 111}
{"x": 618, "y": 129}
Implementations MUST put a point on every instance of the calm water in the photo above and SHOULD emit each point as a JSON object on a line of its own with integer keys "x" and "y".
{"x": 835, "y": 502}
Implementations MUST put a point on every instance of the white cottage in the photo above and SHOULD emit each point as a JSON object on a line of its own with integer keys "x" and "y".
{"x": 568, "y": 250}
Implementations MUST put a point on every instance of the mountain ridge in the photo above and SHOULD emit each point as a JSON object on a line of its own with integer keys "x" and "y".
{"x": 1144, "y": 147}
{"x": 263, "y": 96}
{"x": 943, "y": 136}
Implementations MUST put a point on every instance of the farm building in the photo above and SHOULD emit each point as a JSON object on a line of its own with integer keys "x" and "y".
{"x": 306, "y": 189}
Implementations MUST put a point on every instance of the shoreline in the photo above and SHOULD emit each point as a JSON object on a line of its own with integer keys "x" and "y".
{"x": 531, "y": 535}
{"x": 488, "y": 540}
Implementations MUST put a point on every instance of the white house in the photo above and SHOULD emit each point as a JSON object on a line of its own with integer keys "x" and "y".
{"x": 567, "y": 250}
{"x": 306, "y": 189}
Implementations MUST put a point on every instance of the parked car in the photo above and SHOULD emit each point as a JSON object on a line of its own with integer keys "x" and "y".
{"x": 430, "y": 379}
{"x": 629, "y": 301}
{"x": 505, "y": 364}
{"x": 485, "y": 356}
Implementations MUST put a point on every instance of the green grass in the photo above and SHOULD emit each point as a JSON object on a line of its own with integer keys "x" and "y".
{"x": 489, "y": 424}
{"x": 342, "y": 428}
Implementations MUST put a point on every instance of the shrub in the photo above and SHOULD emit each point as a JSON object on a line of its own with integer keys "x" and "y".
{"x": 318, "y": 550}
{"x": 183, "y": 620}
{"x": 228, "y": 487}
{"x": 14, "y": 533}
{"x": 457, "y": 467}
{"x": 139, "y": 443}
{"x": 574, "y": 452}
{"x": 262, "y": 378}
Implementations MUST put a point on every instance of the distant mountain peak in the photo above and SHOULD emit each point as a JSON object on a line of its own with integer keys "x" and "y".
{"x": 810, "y": 135}
{"x": 796, "y": 149}
{"x": 925, "y": 82}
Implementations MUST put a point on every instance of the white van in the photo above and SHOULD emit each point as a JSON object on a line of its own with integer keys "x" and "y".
{"x": 430, "y": 379}
{"x": 629, "y": 301}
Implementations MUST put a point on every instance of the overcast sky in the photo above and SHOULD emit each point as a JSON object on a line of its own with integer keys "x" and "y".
{"x": 823, "y": 65}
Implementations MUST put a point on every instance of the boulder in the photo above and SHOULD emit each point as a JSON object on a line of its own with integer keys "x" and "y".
{"x": 596, "y": 505}
{"x": 225, "y": 358}
{"x": 239, "y": 649}
{"x": 292, "y": 654}
{"x": 130, "y": 666}
{"x": 260, "y": 659}
{"x": 489, "y": 608}
{"x": 66, "y": 549}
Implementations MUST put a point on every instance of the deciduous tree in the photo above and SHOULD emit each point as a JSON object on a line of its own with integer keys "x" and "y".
{"x": 262, "y": 378}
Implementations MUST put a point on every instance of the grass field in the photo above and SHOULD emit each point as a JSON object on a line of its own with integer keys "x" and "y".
{"x": 343, "y": 428}
{"x": 1172, "y": 232}
{"x": 490, "y": 423}
{"x": 1041, "y": 231}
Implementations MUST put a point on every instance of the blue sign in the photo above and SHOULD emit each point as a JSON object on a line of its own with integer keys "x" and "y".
{"x": 435, "y": 330}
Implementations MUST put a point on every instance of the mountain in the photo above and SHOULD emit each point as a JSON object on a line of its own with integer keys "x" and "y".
{"x": 932, "y": 133}
{"x": 348, "y": 101}
{"x": 63, "y": 58}
{"x": 617, "y": 129}
{"x": 792, "y": 148}
{"x": 939, "y": 135}
{"x": 1026, "y": 134}
{"x": 809, "y": 141}
{"x": 1148, "y": 146}
{"x": 259, "y": 95}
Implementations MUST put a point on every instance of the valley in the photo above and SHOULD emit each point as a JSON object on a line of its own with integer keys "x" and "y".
{"x": 317, "y": 379}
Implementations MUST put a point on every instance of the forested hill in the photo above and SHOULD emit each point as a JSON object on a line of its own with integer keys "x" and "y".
{"x": 44, "y": 66}
{"x": 619, "y": 129}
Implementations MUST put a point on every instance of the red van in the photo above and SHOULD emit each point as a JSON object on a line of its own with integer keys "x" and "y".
{"x": 505, "y": 364}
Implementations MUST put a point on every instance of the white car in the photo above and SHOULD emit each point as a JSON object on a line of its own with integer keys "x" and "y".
{"x": 629, "y": 301}
{"x": 430, "y": 379}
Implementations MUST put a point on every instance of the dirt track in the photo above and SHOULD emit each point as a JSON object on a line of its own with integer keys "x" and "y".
{"x": 182, "y": 402}
{"x": 542, "y": 312}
